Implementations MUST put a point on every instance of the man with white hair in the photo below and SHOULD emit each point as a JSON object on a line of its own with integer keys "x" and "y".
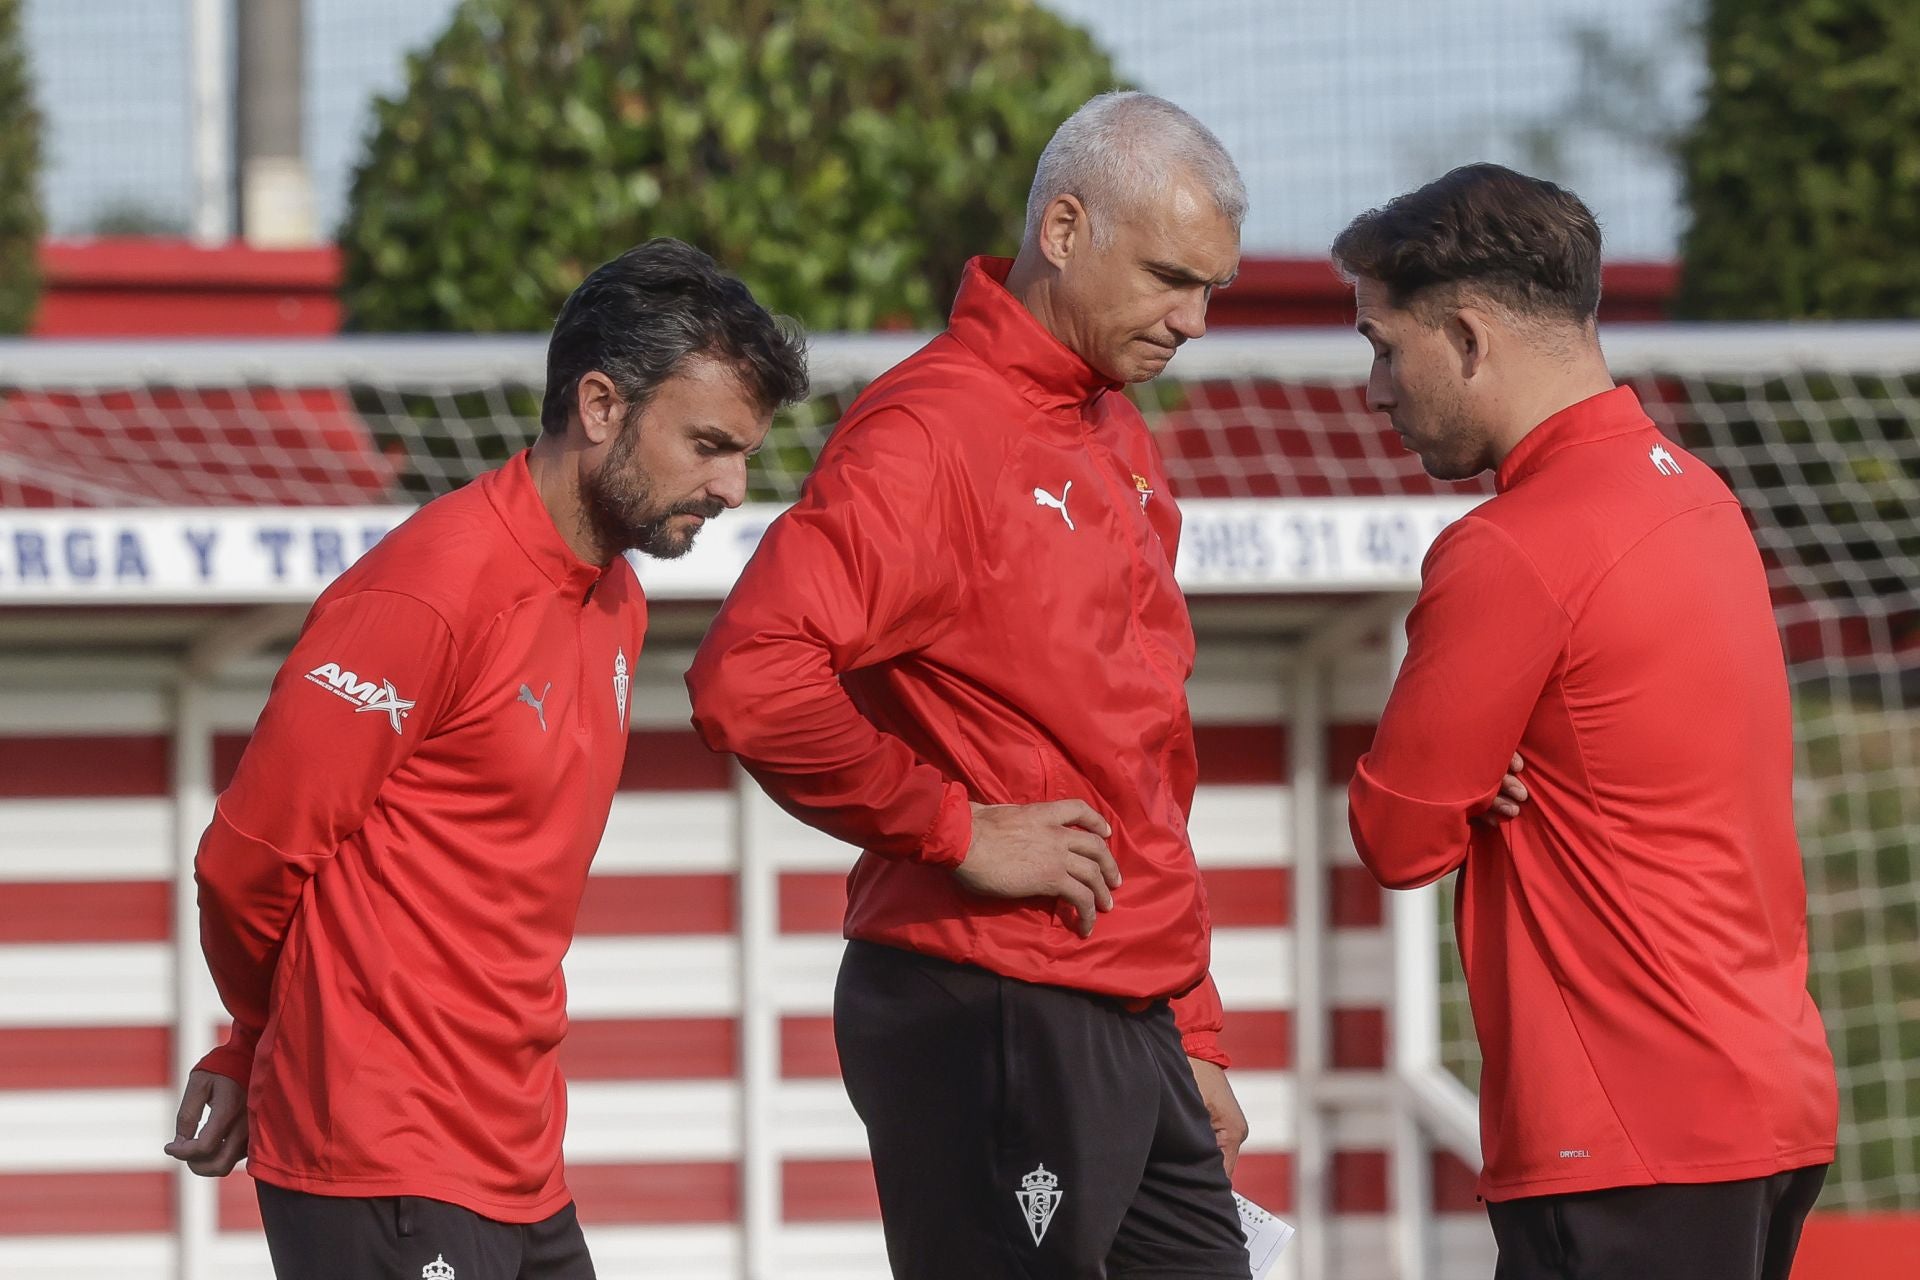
{"x": 964, "y": 652}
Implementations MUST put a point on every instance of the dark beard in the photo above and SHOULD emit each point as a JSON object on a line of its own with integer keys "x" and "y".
{"x": 621, "y": 509}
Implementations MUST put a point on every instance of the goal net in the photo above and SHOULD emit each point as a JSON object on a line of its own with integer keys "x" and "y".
{"x": 1814, "y": 427}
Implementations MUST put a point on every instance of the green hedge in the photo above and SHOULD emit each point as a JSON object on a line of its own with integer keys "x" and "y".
{"x": 1803, "y": 174}
{"x": 20, "y": 218}
{"x": 843, "y": 156}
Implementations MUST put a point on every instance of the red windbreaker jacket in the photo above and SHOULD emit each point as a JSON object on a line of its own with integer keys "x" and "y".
{"x": 974, "y": 600}
{"x": 389, "y": 884}
{"x": 1635, "y": 940}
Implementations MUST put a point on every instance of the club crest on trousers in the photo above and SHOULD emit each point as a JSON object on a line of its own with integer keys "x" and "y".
{"x": 1039, "y": 1196}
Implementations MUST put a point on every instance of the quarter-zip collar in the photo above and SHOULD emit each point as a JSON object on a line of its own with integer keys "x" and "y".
{"x": 1611, "y": 413}
{"x": 997, "y": 327}
{"x": 516, "y": 500}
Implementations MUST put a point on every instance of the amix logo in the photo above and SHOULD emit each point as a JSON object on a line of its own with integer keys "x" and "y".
{"x": 365, "y": 695}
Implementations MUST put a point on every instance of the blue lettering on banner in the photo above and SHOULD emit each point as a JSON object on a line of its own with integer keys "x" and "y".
{"x": 1231, "y": 546}
{"x": 275, "y": 541}
{"x": 130, "y": 560}
{"x": 370, "y": 534}
{"x": 1315, "y": 546}
{"x": 82, "y": 564}
{"x": 329, "y": 554}
{"x": 746, "y": 538}
{"x": 30, "y": 556}
{"x": 1389, "y": 544}
{"x": 202, "y": 540}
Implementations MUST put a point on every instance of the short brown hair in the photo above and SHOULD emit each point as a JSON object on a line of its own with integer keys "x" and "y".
{"x": 1521, "y": 242}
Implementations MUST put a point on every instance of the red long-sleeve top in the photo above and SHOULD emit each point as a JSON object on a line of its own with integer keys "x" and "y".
{"x": 1635, "y": 940}
{"x": 974, "y": 600}
{"x": 390, "y": 882}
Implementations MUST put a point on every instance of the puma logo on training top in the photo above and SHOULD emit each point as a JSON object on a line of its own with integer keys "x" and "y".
{"x": 1041, "y": 498}
{"x": 1662, "y": 461}
{"x": 364, "y": 694}
{"x": 538, "y": 704}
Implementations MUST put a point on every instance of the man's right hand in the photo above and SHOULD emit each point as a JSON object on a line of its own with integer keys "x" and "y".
{"x": 213, "y": 1148}
{"x": 1053, "y": 850}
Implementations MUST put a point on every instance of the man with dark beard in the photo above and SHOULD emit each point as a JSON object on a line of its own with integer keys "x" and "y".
{"x": 388, "y": 886}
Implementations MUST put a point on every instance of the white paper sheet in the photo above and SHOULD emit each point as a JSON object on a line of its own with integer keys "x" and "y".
{"x": 1266, "y": 1235}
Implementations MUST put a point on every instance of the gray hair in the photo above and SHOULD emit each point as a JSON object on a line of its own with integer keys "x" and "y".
{"x": 1120, "y": 149}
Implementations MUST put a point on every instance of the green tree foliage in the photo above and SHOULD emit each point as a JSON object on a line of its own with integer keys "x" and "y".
{"x": 1803, "y": 174}
{"x": 20, "y": 217}
{"x": 844, "y": 157}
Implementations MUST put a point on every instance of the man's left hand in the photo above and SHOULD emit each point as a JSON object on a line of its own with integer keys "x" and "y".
{"x": 1512, "y": 794}
{"x": 1229, "y": 1122}
{"x": 213, "y": 1148}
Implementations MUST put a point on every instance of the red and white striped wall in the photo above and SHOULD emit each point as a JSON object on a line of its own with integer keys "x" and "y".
{"x": 89, "y": 1005}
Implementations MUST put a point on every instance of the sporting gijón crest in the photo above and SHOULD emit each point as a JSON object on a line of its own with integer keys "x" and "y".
{"x": 620, "y": 684}
{"x": 1039, "y": 1196}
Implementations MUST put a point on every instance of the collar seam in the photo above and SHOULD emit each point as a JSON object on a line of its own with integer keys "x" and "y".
{"x": 1550, "y": 448}
{"x": 566, "y": 562}
{"x": 1071, "y": 414}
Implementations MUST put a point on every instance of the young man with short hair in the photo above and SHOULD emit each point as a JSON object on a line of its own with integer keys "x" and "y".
{"x": 1592, "y": 725}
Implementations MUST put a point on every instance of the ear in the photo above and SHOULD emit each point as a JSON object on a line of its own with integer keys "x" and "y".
{"x": 1063, "y": 228}
{"x": 1471, "y": 333}
{"x": 599, "y": 406}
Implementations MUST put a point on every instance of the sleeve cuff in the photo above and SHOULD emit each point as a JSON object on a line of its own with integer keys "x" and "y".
{"x": 1205, "y": 1045}
{"x": 234, "y": 1059}
{"x": 1407, "y": 842}
{"x": 1199, "y": 1016}
{"x": 951, "y": 835}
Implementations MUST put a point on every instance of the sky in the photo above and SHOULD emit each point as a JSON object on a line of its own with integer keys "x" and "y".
{"x": 1329, "y": 106}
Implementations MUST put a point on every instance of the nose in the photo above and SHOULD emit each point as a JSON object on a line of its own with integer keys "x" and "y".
{"x": 1380, "y": 397}
{"x": 731, "y": 486}
{"x": 1189, "y": 319}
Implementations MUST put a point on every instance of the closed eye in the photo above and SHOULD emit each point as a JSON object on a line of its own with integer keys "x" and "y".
{"x": 716, "y": 445}
{"x": 1174, "y": 276}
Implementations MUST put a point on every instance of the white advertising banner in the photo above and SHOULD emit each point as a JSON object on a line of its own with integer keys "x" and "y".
{"x": 1260, "y": 546}
{"x": 272, "y": 554}
{"x": 182, "y": 556}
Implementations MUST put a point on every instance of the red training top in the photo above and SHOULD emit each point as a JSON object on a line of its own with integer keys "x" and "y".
{"x": 1635, "y": 940}
{"x": 974, "y": 600}
{"x": 389, "y": 884}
